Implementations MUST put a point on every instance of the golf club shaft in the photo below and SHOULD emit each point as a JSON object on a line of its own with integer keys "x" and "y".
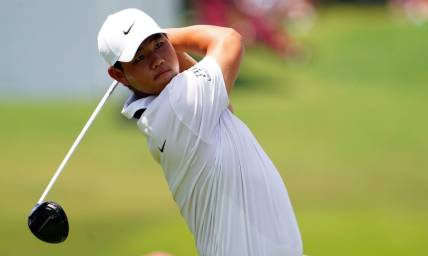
{"x": 77, "y": 141}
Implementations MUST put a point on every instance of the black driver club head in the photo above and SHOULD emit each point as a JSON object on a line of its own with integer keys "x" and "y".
{"x": 48, "y": 222}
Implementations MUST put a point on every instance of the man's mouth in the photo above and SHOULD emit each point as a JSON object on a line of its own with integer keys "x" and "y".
{"x": 160, "y": 74}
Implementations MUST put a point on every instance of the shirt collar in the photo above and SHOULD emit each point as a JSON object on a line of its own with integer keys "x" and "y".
{"x": 134, "y": 104}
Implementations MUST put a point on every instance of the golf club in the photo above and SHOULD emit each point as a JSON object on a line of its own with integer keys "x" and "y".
{"x": 47, "y": 220}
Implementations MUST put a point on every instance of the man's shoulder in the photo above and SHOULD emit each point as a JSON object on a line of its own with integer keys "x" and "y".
{"x": 201, "y": 71}
{"x": 204, "y": 71}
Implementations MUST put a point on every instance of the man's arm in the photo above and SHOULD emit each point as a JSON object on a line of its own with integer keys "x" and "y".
{"x": 185, "y": 61}
{"x": 223, "y": 44}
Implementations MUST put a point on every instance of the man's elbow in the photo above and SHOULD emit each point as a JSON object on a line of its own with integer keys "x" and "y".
{"x": 235, "y": 39}
{"x": 232, "y": 53}
{"x": 233, "y": 35}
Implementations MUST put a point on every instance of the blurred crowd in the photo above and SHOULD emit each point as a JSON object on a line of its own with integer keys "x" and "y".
{"x": 270, "y": 22}
{"x": 277, "y": 23}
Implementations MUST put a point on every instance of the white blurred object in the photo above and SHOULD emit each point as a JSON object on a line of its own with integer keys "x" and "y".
{"x": 301, "y": 17}
{"x": 298, "y": 16}
{"x": 415, "y": 11}
{"x": 256, "y": 7}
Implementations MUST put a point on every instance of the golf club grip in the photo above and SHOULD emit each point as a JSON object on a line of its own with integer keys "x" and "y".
{"x": 78, "y": 139}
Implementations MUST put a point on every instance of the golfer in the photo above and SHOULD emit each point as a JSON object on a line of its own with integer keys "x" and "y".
{"x": 226, "y": 187}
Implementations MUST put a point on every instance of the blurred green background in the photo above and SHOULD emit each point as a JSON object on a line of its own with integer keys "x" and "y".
{"x": 347, "y": 128}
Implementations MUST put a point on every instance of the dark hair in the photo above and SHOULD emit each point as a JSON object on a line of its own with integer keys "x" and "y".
{"x": 118, "y": 65}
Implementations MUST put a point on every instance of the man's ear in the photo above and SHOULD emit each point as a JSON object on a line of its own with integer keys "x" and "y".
{"x": 117, "y": 75}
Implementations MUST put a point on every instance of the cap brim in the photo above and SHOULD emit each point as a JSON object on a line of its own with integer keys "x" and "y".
{"x": 135, "y": 41}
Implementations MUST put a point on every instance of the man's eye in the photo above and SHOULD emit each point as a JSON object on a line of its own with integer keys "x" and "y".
{"x": 138, "y": 59}
{"x": 158, "y": 45}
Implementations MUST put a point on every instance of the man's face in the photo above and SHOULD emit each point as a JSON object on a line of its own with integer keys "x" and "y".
{"x": 154, "y": 65}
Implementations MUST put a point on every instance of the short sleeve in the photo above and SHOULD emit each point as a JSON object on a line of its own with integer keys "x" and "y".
{"x": 199, "y": 97}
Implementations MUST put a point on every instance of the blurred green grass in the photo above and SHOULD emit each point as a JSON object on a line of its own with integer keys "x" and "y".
{"x": 347, "y": 130}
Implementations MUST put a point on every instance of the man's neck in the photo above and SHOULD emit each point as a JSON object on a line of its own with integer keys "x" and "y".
{"x": 141, "y": 95}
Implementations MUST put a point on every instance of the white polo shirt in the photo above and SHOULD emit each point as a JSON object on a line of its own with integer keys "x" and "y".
{"x": 226, "y": 187}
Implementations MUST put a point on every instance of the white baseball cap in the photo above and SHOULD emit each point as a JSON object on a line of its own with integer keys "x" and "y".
{"x": 123, "y": 32}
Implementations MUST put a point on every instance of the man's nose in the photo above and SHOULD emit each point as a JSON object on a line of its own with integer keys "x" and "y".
{"x": 157, "y": 61}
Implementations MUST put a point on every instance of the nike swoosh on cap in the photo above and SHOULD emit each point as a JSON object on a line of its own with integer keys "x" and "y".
{"x": 129, "y": 29}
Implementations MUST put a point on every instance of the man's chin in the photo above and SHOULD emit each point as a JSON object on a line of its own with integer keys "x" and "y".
{"x": 168, "y": 80}
{"x": 168, "y": 77}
